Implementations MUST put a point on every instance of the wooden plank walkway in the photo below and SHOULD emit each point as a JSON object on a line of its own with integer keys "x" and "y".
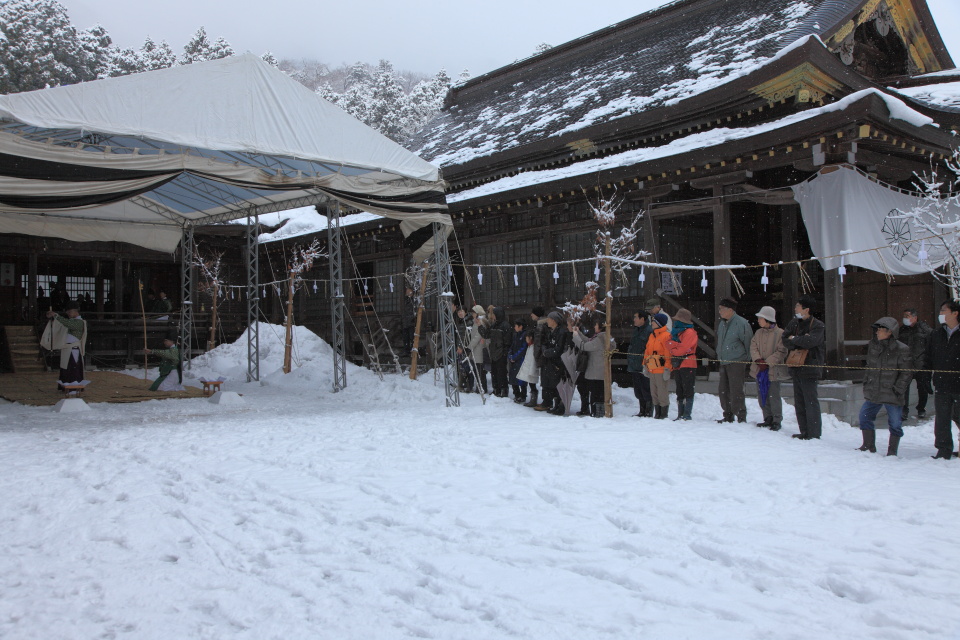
{"x": 40, "y": 389}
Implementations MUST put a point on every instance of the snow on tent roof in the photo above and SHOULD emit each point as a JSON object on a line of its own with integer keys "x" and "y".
{"x": 200, "y": 143}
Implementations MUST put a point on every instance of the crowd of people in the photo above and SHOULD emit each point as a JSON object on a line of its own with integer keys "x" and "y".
{"x": 543, "y": 358}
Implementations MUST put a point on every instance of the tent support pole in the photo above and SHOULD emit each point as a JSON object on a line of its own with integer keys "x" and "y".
{"x": 448, "y": 347}
{"x": 337, "y": 303}
{"x": 188, "y": 249}
{"x": 252, "y": 258}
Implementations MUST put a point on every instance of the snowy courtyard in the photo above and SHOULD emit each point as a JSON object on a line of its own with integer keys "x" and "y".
{"x": 379, "y": 513}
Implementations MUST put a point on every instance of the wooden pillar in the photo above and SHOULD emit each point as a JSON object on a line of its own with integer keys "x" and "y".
{"x": 549, "y": 299}
{"x": 651, "y": 229}
{"x": 32, "y": 286}
{"x": 117, "y": 290}
{"x": 721, "y": 247}
{"x": 789, "y": 274}
{"x": 833, "y": 319}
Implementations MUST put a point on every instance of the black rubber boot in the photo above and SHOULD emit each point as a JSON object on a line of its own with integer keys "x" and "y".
{"x": 767, "y": 422}
{"x": 533, "y": 400}
{"x": 869, "y": 440}
{"x": 775, "y": 426}
{"x": 893, "y": 445}
{"x": 664, "y": 412}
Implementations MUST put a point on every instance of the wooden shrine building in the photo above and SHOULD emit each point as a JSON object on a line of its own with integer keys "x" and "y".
{"x": 703, "y": 114}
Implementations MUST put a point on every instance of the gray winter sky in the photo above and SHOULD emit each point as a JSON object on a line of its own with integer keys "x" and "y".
{"x": 415, "y": 35}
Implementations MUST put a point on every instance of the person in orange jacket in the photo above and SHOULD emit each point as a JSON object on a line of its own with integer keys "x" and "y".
{"x": 657, "y": 366}
{"x": 683, "y": 344}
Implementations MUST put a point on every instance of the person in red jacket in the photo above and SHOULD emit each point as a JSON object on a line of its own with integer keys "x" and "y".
{"x": 683, "y": 347}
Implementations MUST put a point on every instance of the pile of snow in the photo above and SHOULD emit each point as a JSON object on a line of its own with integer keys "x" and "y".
{"x": 306, "y": 220}
{"x": 377, "y": 512}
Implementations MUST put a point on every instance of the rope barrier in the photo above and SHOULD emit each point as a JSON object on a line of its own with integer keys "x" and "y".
{"x": 609, "y": 354}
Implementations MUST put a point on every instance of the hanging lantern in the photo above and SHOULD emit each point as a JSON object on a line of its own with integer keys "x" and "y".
{"x": 703, "y": 282}
{"x": 642, "y": 277}
{"x": 764, "y": 280}
{"x": 516, "y": 278}
{"x": 480, "y": 276}
{"x": 556, "y": 274}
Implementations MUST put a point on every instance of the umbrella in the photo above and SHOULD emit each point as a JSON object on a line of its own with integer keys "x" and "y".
{"x": 763, "y": 386}
{"x": 568, "y": 385}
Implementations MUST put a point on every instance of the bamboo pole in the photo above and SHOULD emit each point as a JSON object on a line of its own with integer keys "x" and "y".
{"x": 143, "y": 312}
{"x": 288, "y": 346}
{"x": 607, "y": 364}
{"x": 414, "y": 353}
{"x": 211, "y": 342}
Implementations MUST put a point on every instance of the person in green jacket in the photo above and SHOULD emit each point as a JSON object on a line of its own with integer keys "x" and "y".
{"x": 638, "y": 345}
{"x": 733, "y": 351}
{"x": 169, "y": 363}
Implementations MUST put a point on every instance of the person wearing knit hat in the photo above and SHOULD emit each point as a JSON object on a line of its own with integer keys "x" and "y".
{"x": 657, "y": 365}
{"x": 682, "y": 343}
{"x": 733, "y": 351}
{"x": 768, "y": 354}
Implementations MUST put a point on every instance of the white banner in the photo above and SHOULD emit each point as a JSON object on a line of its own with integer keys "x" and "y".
{"x": 846, "y": 211}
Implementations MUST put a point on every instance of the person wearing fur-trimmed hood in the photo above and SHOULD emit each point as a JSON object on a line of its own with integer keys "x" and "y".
{"x": 888, "y": 374}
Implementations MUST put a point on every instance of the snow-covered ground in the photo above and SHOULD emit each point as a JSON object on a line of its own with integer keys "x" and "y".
{"x": 379, "y": 513}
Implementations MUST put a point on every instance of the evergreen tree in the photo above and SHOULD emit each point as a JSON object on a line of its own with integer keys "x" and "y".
{"x": 197, "y": 49}
{"x": 156, "y": 56}
{"x": 123, "y": 62}
{"x": 98, "y": 49}
{"x": 220, "y": 49}
{"x": 387, "y": 102}
{"x": 270, "y": 59}
{"x": 40, "y": 48}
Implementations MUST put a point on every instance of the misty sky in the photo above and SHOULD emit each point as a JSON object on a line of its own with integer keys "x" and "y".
{"x": 415, "y": 35}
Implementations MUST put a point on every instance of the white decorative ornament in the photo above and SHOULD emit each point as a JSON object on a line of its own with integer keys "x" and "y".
{"x": 596, "y": 270}
{"x": 842, "y": 270}
{"x": 480, "y": 276}
{"x": 703, "y": 282}
{"x": 643, "y": 277}
{"x": 556, "y": 274}
{"x": 764, "y": 280}
{"x": 516, "y": 278}
{"x": 391, "y": 284}
{"x": 366, "y": 291}
{"x": 314, "y": 286}
{"x": 922, "y": 254}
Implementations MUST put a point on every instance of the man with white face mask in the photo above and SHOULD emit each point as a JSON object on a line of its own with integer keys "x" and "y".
{"x": 807, "y": 333}
{"x": 915, "y": 333}
{"x": 943, "y": 357}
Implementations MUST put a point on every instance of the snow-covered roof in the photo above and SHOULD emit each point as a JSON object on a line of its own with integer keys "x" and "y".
{"x": 648, "y": 64}
{"x": 944, "y": 95}
{"x": 304, "y": 221}
{"x": 715, "y": 137}
{"x": 654, "y": 60}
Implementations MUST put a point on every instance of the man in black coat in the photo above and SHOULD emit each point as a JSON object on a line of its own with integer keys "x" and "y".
{"x": 553, "y": 371}
{"x": 915, "y": 333}
{"x": 943, "y": 357}
{"x": 497, "y": 335}
{"x": 806, "y": 332}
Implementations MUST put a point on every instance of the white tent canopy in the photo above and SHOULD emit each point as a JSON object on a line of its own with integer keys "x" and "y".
{"x": 138, "y": 158}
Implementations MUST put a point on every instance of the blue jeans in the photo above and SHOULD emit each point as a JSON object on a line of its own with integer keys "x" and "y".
{"x": 869, "y": 411}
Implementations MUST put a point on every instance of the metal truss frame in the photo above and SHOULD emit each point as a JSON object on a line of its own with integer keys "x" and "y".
{"x": 188, "y": 248}
{"x": 448, "y": 348}
{"x": 252, "y": 255}
{"x": 338, "y": 301}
